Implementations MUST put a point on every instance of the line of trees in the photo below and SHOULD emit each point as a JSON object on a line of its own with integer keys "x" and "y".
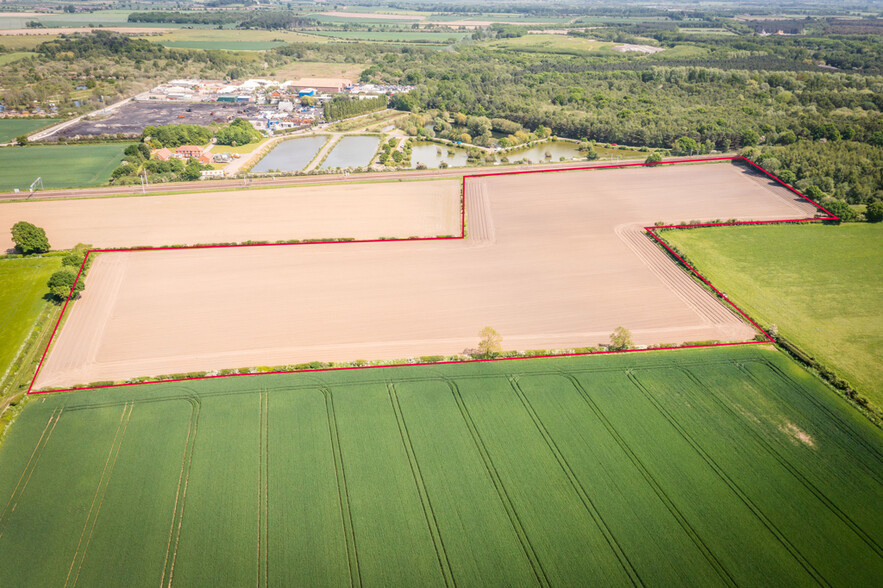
{"x": 344, "y": 107}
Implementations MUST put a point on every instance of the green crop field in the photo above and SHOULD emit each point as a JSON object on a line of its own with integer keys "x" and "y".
{"x": 11, "y": 128}
{"x": 21, "y": 303}
{"x": 63, "y": 166}
{"x": 821, "y": 285}
{"x": 706, "y": 467}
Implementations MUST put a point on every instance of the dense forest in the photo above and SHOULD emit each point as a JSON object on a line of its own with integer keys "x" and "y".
{"x": 653, "y": 106}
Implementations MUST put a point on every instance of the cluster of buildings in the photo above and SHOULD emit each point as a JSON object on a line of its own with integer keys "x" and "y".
{"x": 274, "y": 105}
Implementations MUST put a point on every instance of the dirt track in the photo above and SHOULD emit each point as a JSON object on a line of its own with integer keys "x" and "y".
{"x": 359, "y": 211}
{"x": 553, "y": 261}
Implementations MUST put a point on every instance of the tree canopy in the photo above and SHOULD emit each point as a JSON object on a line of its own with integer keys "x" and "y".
{"x": 29, "y": 239}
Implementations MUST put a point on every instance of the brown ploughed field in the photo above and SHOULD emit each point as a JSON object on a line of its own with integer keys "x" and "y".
{"x": 552, "y": 261}
{"x": 358, "y": 211}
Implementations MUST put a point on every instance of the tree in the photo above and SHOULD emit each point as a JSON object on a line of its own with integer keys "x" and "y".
{"x": 655, "y": 157}
{"x": 841, "y": 210}
{"x": 686, "y": 145}
{"x": 29, "y": 239}
{"x": 491, "y": 342}
{"x": 621, "y": 338}
{"x": 61, "y": 282}
{"x": 874, "y": 213}
{"x": 22, "y": 140}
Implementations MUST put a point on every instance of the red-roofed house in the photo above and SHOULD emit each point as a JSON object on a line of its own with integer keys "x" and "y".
{"x": 205, "y": 158}
{"x": 188, "y": 151}
{"x": 162, "y": 154}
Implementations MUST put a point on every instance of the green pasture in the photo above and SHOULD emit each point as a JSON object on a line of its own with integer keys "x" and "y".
{"x": 393, "y": 36}
{"x": 107, "y": 18}
{"x": 10, "y": 128}
{"x": 6, "y": 58}
{"x": 700, "y": 467}
{"x": 229, "y": 39}
{"x": 22, "y": 300}
{"x": 63, "y": 166}
{"x": 563, "y": 44}
{"x": 821, "y": 285}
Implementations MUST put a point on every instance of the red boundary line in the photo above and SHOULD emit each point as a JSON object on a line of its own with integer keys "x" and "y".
{"x": 651, "y": 230}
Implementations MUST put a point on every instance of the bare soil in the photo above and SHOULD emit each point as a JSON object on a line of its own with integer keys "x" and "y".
{"x": 358, "y": 211}
{"x": 553, "y": 260}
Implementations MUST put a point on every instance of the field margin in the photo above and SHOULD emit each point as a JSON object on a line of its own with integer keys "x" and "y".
{"x": 766, "y": 338}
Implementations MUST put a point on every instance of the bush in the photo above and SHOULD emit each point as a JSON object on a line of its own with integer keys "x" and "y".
{"x": 841, "y": 210}
{"x": 29, "y": 239}
{"x": 60, "y": 283}
{"x": 238, "y": 132}
{"x": 654, "y": 157}
{"x": 874, "y": 213}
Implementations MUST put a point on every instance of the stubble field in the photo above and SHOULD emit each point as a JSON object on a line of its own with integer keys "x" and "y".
{"x": 552, "y": 261}
{"x": 727, "y": 466}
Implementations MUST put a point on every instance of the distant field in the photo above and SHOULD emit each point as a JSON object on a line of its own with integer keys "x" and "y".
{"x": 21, "y": 302}
{"x": 680, "y": 51}
{"x": 82, "y": 19}
{"x": 66, "y": 166}
{"x": 316, "y": 69}
{"x": 553, "y": 44}
{"x": 230, "y": 39}
{"x": 11, "y": 128}
{"x": 703, "y": 467}
{"x": 392, "y": 36}
{"x": 821, "y": 285}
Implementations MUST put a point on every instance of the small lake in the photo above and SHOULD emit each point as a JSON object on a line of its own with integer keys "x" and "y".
{"x": 352, "y": 151}
{"x": 291, "y": 155}
{"x": 432, "y": 154}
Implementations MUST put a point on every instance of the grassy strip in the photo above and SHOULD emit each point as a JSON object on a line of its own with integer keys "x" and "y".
{"x": 361, "y": 363}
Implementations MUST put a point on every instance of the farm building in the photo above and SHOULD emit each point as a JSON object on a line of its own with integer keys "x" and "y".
{"x": 188, "y": 151}
{"x": 162, "y": 154}
{"x": 327, "y": 85}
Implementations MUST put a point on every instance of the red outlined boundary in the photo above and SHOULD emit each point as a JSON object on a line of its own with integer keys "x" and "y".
{"x": 651, "y": 230}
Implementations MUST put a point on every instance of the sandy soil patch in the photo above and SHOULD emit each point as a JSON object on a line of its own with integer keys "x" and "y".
{"x": 554, "y": 260}
{"x": 358, "y": 211}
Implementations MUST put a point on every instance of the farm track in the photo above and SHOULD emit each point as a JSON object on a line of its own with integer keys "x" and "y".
{"x": 98, "y": 498}
{"x": 263, "y": 564}
{"x": 577, "y": 487}
{"x": 785, "y": 463}
{"x": 657, "y": 487}
{"x": 704, "y": 303}
{"x": 838, "y": 421}
{"x": 181, "y": 494}
{"x": 346, "y": 513}
{"x": 479, "y": 219}
{"x": 481, "y": 447}
{"x": 29, "y": 468}
{"x": 731, "y": 483}
{"x": 429, "y": 514}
